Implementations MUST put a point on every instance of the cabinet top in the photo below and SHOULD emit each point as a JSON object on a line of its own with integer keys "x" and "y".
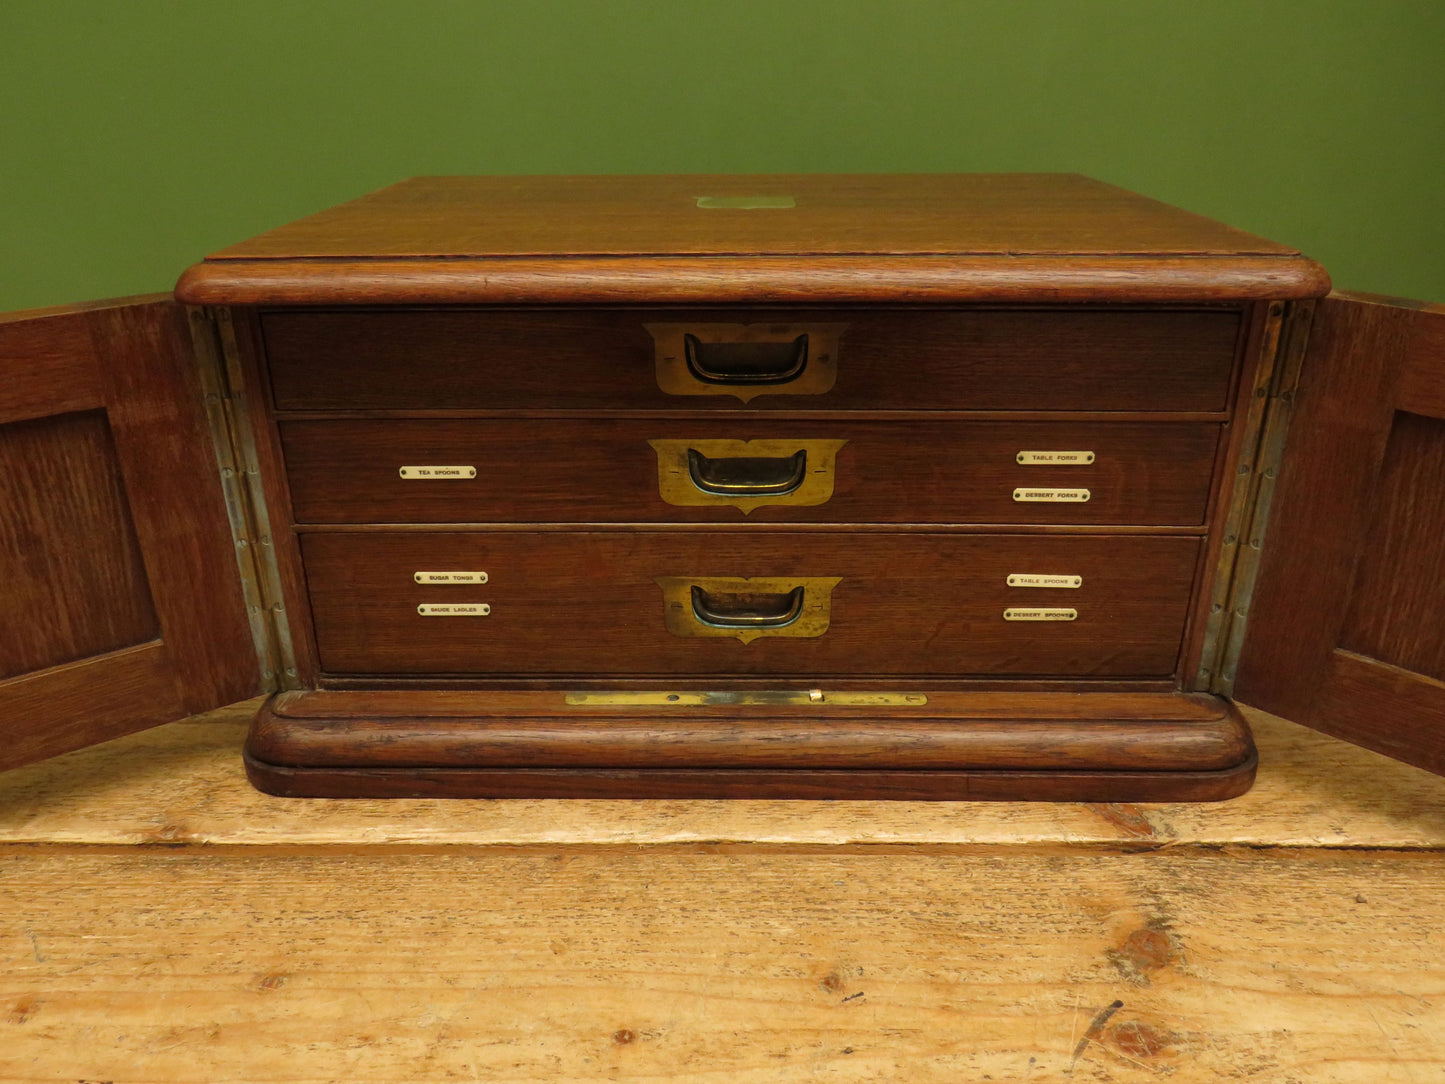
{"x": 930, "y": 237}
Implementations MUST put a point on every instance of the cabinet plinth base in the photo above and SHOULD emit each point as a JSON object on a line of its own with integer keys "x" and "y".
{"x": 1096, "y": 747}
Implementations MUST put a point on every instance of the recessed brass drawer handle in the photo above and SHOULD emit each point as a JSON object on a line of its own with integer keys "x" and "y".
{"x": 747, "y": 476}
{"x": 746, "y": 363}
{"x": 747, "y": 607}
{"x": 745, "y": 360}
{"x": 766, "y": 610}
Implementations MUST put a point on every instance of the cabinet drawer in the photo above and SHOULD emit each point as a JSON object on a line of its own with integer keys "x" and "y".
{"x": 743, "y": 603}
{"x": 668, "y": 470}
{"x": 861, "y": 359}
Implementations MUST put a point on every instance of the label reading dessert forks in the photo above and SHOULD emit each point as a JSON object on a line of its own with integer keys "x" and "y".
{"x": 1056, "y": 496}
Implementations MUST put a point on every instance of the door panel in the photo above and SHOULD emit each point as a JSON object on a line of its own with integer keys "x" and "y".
{"x": 1347, "y": 625}
{"x": 121, "y": 603}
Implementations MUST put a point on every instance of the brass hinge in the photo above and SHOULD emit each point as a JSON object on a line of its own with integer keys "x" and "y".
{"x": 222, "y": 382}
{"x": 1262, "y": 451}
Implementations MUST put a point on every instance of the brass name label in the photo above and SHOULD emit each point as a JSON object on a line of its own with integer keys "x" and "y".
{"x": 450, "y": 577}
{"x": 1056, "y": 458}
{"x": 1038, "y": 579}
{"x": 461, "y": 472}
{"x": 1057, "y": 496}
{"x": 1040, "y": 615}
{"x": 473, "y": 609}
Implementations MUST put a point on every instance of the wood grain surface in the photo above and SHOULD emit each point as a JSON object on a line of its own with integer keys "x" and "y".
{"x": 120, "y": 600}
{"x": 164, "y": 922}
{"x": 1001, "y": 214}
{"x": 902, "y": 359}
{"x": 1352, "y": 561}
{"x": 593, "y": 470}
{"x": 588, "y": 603}
{"x": 1017, "y": 237}
{"x": 704, "y": 966}
{"x": 184, "y": 784}
{"x": 74, "y": 579}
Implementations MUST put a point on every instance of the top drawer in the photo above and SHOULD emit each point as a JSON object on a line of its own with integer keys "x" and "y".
{"x": 825, "y": 359}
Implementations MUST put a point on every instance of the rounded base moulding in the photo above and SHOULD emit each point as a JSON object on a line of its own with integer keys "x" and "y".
{"x": 1097, "y": 747}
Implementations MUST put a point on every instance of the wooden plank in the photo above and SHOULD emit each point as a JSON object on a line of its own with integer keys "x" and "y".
{"x": 74, "y": 583}
{"x": 1000, "y": 214}
{"x": 580, "y": 240}
{"x": 1422, "y": 383}
{"x": 184, "y": 783}
{"x": 49, "y": 367}
{"x": 745, "y": 967}
{"x": 164, "y": 448}
{"x": 1041, "y": 280}
{"x": 86, "y": 701}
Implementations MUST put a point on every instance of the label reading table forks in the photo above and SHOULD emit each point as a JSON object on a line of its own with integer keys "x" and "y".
{"x": 1056, "y": 459}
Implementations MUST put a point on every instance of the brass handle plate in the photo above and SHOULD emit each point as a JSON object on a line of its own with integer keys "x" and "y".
{"x": 747, "y": 607}
{"x": 746, "y": 473}
{"x": 746, "y": 360}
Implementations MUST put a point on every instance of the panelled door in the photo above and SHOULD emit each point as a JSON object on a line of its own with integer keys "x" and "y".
{"x": 1347, "y": 625}
{"x": 120, "y": 597}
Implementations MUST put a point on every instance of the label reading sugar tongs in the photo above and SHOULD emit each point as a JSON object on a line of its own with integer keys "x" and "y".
{"x": 449, "y": 577}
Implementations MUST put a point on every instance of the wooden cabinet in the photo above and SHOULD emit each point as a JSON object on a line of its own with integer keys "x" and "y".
{"x": 940, "y": 487}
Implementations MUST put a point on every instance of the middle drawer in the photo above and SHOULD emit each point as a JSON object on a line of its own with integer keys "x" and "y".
{"x": 676, "y": 471}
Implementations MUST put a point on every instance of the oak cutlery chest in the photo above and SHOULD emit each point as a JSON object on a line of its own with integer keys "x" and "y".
{"x": 915, "y": 487}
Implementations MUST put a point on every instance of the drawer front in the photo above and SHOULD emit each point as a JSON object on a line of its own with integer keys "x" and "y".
{"x": 741, "y": 603}
{"x": 839, "y": 359}
{"x": 587, "y": 471}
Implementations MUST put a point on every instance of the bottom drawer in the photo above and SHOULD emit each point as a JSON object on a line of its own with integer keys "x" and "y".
{"x": 783, "y": 603}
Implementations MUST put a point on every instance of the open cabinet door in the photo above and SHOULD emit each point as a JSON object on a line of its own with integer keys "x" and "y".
{"x": 120, "y": 595}
{"x": 1347, "y": 625}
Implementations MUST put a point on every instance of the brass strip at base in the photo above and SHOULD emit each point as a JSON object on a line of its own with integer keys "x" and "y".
{"x": 725, "y": 697}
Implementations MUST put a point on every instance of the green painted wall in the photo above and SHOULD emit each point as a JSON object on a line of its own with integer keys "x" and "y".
{"x": 137, "y": 135}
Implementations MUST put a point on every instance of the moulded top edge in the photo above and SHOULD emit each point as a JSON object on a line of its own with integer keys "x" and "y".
{"x": 924, "y": 279}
